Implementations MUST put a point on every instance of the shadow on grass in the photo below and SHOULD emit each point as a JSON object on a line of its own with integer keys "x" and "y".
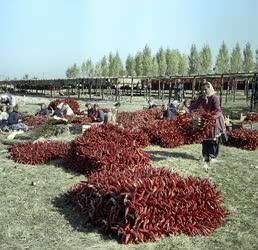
{"x": 76, "y": 219}
{"x": 162, "y": 155}
{"x": 61, "y": 163}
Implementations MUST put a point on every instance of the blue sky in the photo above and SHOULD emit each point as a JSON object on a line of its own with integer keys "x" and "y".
{"x": 44, "y": 37}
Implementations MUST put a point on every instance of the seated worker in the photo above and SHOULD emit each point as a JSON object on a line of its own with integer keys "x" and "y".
{"x": 183, "y": 107}
{"x": 8, "y": 99}
{"x": 90, "y": 110}
{"x": 110, "y": 116}
{"x": 3, "y": 116}
{"x": 167, "y": 114}
{"x": 14, "y": 121}
{"x": 173, "y": 110}
{"x": 151, "y": 104}
{"x": 66, "y": 110}
{"x": 43, "y": 110}
{"x": 99, "y": 116}
{"x": 57, "y": 112}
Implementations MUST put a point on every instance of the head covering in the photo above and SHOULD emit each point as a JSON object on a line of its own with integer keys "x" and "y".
{"x": 4, "y": 97}
{"x": 209, "y": 88}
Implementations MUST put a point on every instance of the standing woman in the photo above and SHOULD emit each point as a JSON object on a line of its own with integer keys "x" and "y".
{"x": 210, "y": 102}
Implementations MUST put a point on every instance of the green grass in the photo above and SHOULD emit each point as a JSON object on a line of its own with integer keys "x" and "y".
{"x": 36, "y": 216}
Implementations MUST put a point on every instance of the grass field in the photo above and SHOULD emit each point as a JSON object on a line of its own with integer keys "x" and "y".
{"x": 34, "y": 215}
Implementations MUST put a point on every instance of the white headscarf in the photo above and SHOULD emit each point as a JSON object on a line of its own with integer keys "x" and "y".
{"x": 210, "y": 89}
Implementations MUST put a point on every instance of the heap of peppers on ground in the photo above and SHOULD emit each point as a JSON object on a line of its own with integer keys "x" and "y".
{"x": 123, "y": 195}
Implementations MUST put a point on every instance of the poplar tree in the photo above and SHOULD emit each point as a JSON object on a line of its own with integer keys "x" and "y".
{"x": 130, "y": 65}
{"x": 248, "y": 62}
{"x": 222, "y": 61}
{"x": 236, "y": 60}
{"x": 205, "y": 59}
{"x": 194, "y": 63}
{"x": 161, "y": 59}
{"x": 146, "y": 61}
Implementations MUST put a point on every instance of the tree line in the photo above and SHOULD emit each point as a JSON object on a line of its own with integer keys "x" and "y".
{"x": 168, "y": 61}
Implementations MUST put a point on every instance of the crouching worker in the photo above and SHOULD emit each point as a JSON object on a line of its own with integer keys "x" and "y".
{"x": 8, "y": 100}
{"x": 100, "y": 116}
{"x": 66, "y": 110}
{"x": 14, "y": 121}
{"x": 110, "y": 116}
{"x": 43, "y": 110}
{"x": 167, "y": 114}
{"x": 3, "y": 116}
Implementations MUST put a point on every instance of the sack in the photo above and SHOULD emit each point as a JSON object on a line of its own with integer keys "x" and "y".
{"x": 223, "y": 138}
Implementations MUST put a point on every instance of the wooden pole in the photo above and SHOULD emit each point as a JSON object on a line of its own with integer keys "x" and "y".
{"x": 254, "y": 92}
{"x": 193, "y": 87}
{"x": 247, "y": 90}
{"x": 221, "y": 88}
{"x": 90, "y": 84}
{"x": 101, "y": 87}
{"x": 116, "y": 84}
{"x": 131, "y": 90}
{"x": 170, "y": 91}
{"x": 234, "y": 94}
{"x": 78, "y": 89}
{"x": 150, "y": 88}
{"x": 162, "y": 93}
{"x": 226, "y": 100}
{"x": 159, "y": 90}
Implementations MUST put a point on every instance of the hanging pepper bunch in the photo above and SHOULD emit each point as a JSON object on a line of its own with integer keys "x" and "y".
{"x": 33, "y": 120}
{"x": 174, "y": 133}
{"x": 38, "y": 153}
{"x": 106, "y": 147}
{"x": 144, "y": 204}
{"x": 243, "y": 138}
{"x": 70, "y": 101}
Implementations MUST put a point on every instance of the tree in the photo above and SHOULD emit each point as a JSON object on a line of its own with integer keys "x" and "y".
{"x": 130, "y": 65}
{"x": 172, "y": 61}
{"x": 83, "y": 70}
{"x": 139, "y": 64}
{"x": 194, "y": 63}
{"x": 104, "y": 66}
{"x": 97, "y": 69}
{"x": 256, "y": 65}
{"x": 161, "y": 59}
{"x": 183, "y": 64}
{"x": 146, "y": 61}
{"x": 248, "y": 63}
{"x": 236, "y": 60}
{"x": 168, "y": 61}
{"x": 155, "y": 67}
{"x": 73, "y": 71}
{"x": 89, "y": 68}
{"x": 205, "y": 59}
{"x": 118, "y": 65}
{"x": 111, "y": 65}
{"x": 222, "y": 61}
{"x": 25, "y": 77}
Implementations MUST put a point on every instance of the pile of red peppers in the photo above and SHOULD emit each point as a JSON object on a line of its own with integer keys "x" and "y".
{"x": 38, "y": 153}
{"x": 107, "y": 147}
{"x": 144, "y": 204}
{"x": 252, "y": 117}
{"x": 243, "y": 138}
{"x": 33, "y": 120}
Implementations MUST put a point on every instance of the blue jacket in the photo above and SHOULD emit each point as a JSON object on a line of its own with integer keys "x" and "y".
{"x": 13, "y": 118}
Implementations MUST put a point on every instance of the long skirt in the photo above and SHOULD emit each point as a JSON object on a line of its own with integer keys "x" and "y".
{"x": 210, "y": 148}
